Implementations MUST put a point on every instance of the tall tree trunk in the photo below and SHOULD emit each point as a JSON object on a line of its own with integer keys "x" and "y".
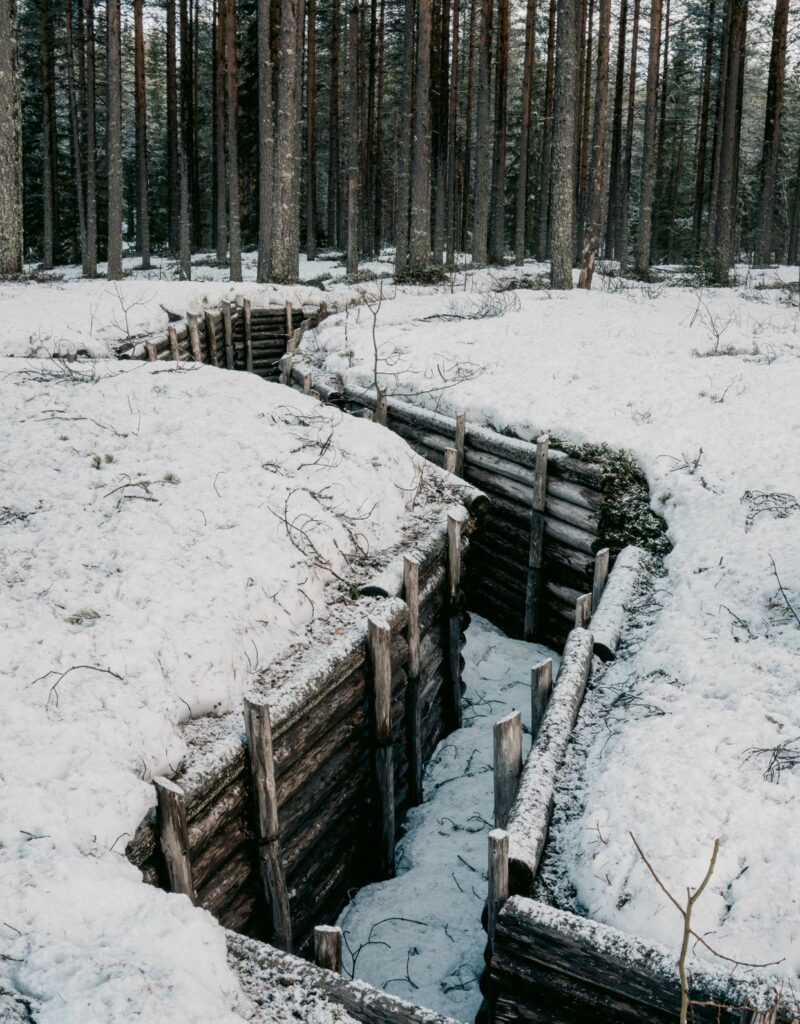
{"x": 497, "y": 223}
{"x": 584, "y": 119}
{"x": 562, "y": 195}
{"x": 75, "y": 131}
{"x": 90, "y": 255}
{"x": 232, "y": 122}
{"x": 725, "y": 239}
{"x": 311, "y": 130}
{"x": 220, "y": 163}
{"x": 483, "y": 152}
{"x": 615, "y": 196}
{"x": 644, "y": 240}
{"x": 419, "y": 249}
{"x": 353, "y": 123}
{"x": 184, "y": 148}
{"x": 114, "y": 142}
{"x": 794, "y": 222}
{"x": 702, "y": 138}
{"x": 285, "y": 256}
{"x": 404, "y": 141}
{"x": 543, "y": 232}
{"x": 379, "y": 187}
{"x": 173, "y": 142}
{"x": 627, "y": 164}
{"x": 49, "y": 173}
{"x": 597, "y": 191}
{"x": 468, "y": 120}
{"x": 661, "y": 172}
{"x": 450, "y": 176}
{"x": 334, "y": 128}
{"x": 765, "y": 213}
{"x": 143, "y": 221}
{"x": 716, "y": 159}
{"x": 525, "y": 133}
{"x": 441, "y": 88}
{"x": 11, "y": 247}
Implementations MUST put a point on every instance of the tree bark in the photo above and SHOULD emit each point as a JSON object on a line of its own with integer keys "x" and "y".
{"x": 220, "y": 163}
{"x": 765, "y": 213}
{"x": 468, "y": 119}
{"x": 702, "y": 138}
{"x": 334, "y": 128}
{"x": 627, "y": 166}
{"x": 525, "y": 133}
{"x": 615, "y": 196}
{"x": 419, "y": 255}
{"x": 352, "y": 144}
{"x": 184, "y": 147}
{"x": 173, "y": 142}
{"x": 597, "y": 190}
{"x": 285, "y": 255}
{"x": 114, "y": 142}
{"x": 143, "y": 220}
{"x": 661, "y": 177}
{"x": 380, "y": 186}
{"x": 232, "y": 122}
{"x": 311, "y": 131}
{"x": 450, "y": 177}
{"x": 49, "y": 171}
{"x": 90, "y": 255}
{"x": 543, "y": 233}
{"x": 497, "y": 222}
{"x": 644, "y": 240}
{"x": 11, "y": 238}
{"x": 75, "y": 130}
{"x": 483, "y": 152}
{"x": 562, "y": 194}
{"x": 404, "y": 141}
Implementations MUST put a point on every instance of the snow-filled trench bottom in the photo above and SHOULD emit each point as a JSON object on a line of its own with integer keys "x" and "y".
{"x": 419, "y": 935}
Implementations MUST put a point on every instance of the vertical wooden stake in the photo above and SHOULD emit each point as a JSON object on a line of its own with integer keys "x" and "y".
{"x": 211, "y": 338}
{"x": 602, "y": 561}
{"x": 382, "y": 409}
{"x": 507, "y": 765}
{"x": 227, "y": 327}
{"x": 262, "y": 767}
{"x": 583, "y": 610}
{"x": 174, "y": 350}
{"x": 536, "y": 545}
{"x": 380, "y": 649}
{"x": 541, "y": 688}
{"x": 173, "y": 836}
{"x": 247, "y": 320}
{"x": 454, "y": 632}
{"x": 150, "y": 349}
{"x": 461, "y": 434}
{"x": 194, "y": 337}
{"x": 413, "y": 710}
{"x": 451, "y": 460}
{"x": 328, "y": 947}
{"x": 286, "y": 370}
{"x": 498, "y": 878}
{"x": 307, "y": 383}
{"x": 289, "y": 324}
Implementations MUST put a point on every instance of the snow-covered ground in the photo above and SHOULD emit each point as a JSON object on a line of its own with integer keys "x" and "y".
{"x": 163, "y": 534}
{"x": 418, "y": 935}
{"x": 703, "y": 386}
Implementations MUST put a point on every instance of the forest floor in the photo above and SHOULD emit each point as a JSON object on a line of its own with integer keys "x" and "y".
{"x": 695, "y": 733}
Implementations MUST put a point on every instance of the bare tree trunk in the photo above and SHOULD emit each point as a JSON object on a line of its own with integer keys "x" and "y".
{"x": 419, "y": 255}
{"x": 232, "y": 121}
{"x": 90, "y": 255}
{"x": 661, "y": 177}
{"x": 497, "y": 232}
{"x": 765, "y": 214}
{"x": 285, "y": 255}
{"x": 525, "y": 133}
{"x": 627, "y": 165}
{"x": 220, "y": 163}
{"x": 184, "y": 146}
{"x": 615, "y": 197}
{"x": 702, "y": 139}
{"x": 483, "y": 152}
{"x": 311, "y": 129}
{"x": 716, "y": 160}
{"x": 450, "y": 176}
{"x": 562, "y": 194}
{"x": 75, "y": 130}
{"x": 11, "y": 247}
{"x": 543, "y": 234}
{"x": 584, "y": 121}
{"x": 597, "y": 191}
{"x": 643, "y": 242}
{"x": 404, "y": 142}
{"x": 143, "y": 221}
{"x": 352, "y": 144}
{"x": 114, "y": 142}
{"x": 48, "y": 141}
{"x": 380, "y": 189}
{"x": 725, "y": 241}
{"x": 468, "y": 119}
{"x": 333, "y": 131}
{"x": 173, "y": 141}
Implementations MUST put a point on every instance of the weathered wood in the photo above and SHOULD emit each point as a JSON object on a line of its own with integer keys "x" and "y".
{"x": 194, "y": 337}
{"x": 507, "y": 765}
{"x": 367, "y": 414}
{"x": 454, "y": 565}
{"x": 151, "y": 350}
{"x": 211, "y": 338}
{"x": 286, "y": 370}
{"x": 307, "y": 381}
{"x": 497, "y": 879}
{"x": 248, "y": 335}
{"x": 536, "y": 544}
{"x": 328, "y": 947}
{"x": 289, "y": 321}
{"x": 610, "y": 616}
{"x": 583, "y": 611}
{"x": 541, "y": 688}
{"x": 380, "y": 659}
{"x": 174, "y": 349}
{"x": 173, "y": 836}
{"x": 381, "y": 410}
{"x": 262, "y": 766}
{"x": 461, "y": 431}
{"x": 413, "y": 724}
{"x": 227, "y": 329}
{"x": 451, "y": 461}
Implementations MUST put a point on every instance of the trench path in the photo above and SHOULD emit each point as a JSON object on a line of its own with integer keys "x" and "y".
{"x": 418, "y": 935}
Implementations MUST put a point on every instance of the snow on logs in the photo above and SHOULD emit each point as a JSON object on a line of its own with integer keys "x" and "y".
{"x": 609, "y": 618}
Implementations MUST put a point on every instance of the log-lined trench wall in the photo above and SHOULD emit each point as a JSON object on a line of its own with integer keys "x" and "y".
{"x": 279, "y": 813}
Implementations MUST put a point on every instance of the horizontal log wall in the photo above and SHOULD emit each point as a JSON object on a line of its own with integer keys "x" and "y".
{"x": 324, "y": 774}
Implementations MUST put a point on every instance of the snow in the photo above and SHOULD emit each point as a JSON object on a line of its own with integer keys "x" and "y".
{"x": 716, "y": 670}
{"x": 146, "y": 574}
{"x": 418, "y": 935}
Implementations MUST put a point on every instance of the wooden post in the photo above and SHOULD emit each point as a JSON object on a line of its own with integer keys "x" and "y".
{"x": 498, "y": 878}
{"x": 602, "y": 560}
{"x": 173, "y": 836}
{"x": 328, "y": 947}
{"x": 367, "y": 414}
{"x": 211, "y": 338}
{"x": 262, "y": 767}
{"x": 227, "y": 327}
{"x": 150, "y": 349}
{"x": 507, "y": 765}
{"x": 583, "y": 610}
{"x": 454, "y": 632}
{"x": 536, "y": 545}
{"x": 286, "y": 370}
{"x": 382, "y": 410}
{"x": 541, "y": 688}
{"x": 247, "y": 320}
{"x": 306, "y": 383}
{"x": 289, "y": 324}
{"x": 380, "y": 647}
{"x": 194, "y": 337}
{"x": 461, "y": 434}
{"x": 174, "y": 350}
{"x": 451, "y": 460}
{"x": 413, "y": 711}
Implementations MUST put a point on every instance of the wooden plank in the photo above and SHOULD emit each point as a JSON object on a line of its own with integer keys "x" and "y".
{"x": 248, "y": 335}
{"x": 151, "y": 350}
{"x": 536, "y": 544}
{"x": 413, "y": 716}
{"x": 227, "y": 330}
{"x": 583, "y": 611}
{"x": 174, "y": 348}
{"x": 262, "y": 766}
{"x": 461, "y": 431}
{"x": 507, "y": 765}
{"x": 497, "y": 879}
{"x": 379, "y": 642}
{"x": 211, "y": 338}
{"x": 602, "y": 560}
{"x": 194, "y": 337}
{"x": 328, "y": 947}
{"x": 173, "y": 836}
{"x": 541, "y": 688}
{"x": 289, "y": 325}
{"x": 454, "y": 556}
{"x": 286, "y": 370}
{"x": 451, "y": 460}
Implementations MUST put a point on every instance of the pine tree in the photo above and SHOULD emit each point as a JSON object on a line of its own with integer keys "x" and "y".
{"x": 114, "y": 141}
{"x": 562, "y": 180}
{"x": 11, "y": 249}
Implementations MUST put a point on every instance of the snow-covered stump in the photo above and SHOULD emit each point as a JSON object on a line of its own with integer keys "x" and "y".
{"x": 608, "y": 620}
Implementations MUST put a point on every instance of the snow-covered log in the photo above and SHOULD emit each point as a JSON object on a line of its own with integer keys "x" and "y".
{"x": 609, "y": 618}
